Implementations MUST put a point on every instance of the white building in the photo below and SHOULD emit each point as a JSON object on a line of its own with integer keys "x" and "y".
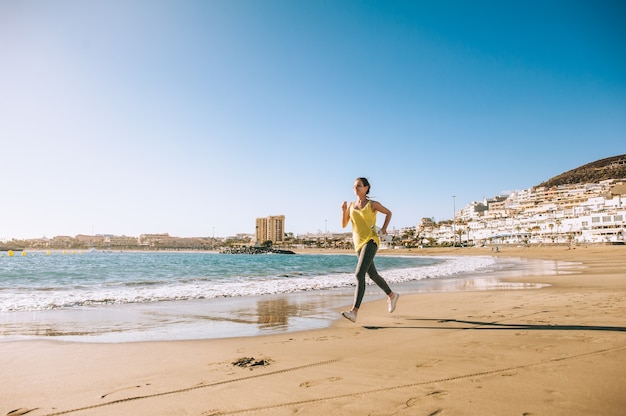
{"x": 588, "y": 213}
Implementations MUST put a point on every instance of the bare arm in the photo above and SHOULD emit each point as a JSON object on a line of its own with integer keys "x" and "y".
{"x": 345, "y": 217}
{"x": 377, "y": 206}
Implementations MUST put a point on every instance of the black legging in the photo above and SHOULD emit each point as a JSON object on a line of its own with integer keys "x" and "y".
{"x": 366, "y": 265}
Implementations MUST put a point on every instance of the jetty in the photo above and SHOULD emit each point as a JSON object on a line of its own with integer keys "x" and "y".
{"x": 254, "y": 250}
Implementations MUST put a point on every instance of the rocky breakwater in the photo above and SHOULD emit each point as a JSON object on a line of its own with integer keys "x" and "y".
{"x": 254, "y": 250}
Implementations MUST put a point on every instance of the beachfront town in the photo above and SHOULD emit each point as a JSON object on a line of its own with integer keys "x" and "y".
{"x": 567, "y": 214}
{"x": 588, "y": 213}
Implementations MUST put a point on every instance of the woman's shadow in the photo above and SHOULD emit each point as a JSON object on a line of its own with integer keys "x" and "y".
{"x": 480, "y": 325}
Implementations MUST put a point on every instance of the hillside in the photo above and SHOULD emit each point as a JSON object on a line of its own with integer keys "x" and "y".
{"x": 594, "y": 172}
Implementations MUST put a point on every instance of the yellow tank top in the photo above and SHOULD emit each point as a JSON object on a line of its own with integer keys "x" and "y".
{"x": 363, "y": 225}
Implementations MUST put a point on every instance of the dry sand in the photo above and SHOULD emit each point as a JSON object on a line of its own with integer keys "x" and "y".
{"x": 559, "y": 350}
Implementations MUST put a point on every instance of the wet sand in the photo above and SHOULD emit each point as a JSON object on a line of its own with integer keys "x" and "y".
{"x": 558, "y": 350}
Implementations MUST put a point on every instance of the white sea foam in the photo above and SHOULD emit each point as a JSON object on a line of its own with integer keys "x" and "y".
{"x": 205, "y": 288}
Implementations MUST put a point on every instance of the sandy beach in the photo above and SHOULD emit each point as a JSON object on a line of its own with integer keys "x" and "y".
{"x": 558, "y": 350}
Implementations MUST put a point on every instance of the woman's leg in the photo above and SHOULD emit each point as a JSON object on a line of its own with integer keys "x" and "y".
{"x": 366, "y": 266}
{"x": 378, "y": 279}
{"x": 392, "y": 298}
{"x": 366, "y": 261}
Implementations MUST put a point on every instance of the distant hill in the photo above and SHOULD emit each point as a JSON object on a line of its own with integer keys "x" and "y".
{"x": 594, "y": 172}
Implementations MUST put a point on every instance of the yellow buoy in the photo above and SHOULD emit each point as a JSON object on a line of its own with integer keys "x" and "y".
{"x": 10, "y": 253}
{"x": 23, "y": 253}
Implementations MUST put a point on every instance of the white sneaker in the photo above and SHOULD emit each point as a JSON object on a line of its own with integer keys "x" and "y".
{"x": 349, "y": 315}
{"x": 391, "y": 302}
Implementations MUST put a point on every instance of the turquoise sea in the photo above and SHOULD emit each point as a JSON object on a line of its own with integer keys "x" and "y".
{"x": 130, "y": 296}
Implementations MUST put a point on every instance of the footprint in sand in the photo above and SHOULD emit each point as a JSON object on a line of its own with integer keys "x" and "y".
{"x": 414, "y": 400}
{"x": 472, "y": 344}
{"x": 313, "y": 383}
{"x": 428, "y": 363}
{"x": 20, "y": 411}
{"x": 121, "y": 389}
{"x": 322, "y": 338}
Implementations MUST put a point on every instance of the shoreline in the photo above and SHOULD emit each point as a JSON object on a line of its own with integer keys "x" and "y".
{"x": 559, "y": 350}
{"x": 435, "y": 251}
{"x": 239, "y": 316}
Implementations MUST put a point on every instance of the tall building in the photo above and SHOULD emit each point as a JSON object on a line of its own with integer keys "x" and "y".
{"x": 270, "y": 229}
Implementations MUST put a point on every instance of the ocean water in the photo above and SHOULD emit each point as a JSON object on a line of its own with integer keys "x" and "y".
{"x": 41, "y": 281}
{"x": 130, "y": 296}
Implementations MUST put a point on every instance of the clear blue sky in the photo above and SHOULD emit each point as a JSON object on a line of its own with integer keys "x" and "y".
{"x": 197, "y": 117}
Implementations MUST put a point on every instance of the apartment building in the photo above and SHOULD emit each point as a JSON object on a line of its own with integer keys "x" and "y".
{"x": 270, "y": 228}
